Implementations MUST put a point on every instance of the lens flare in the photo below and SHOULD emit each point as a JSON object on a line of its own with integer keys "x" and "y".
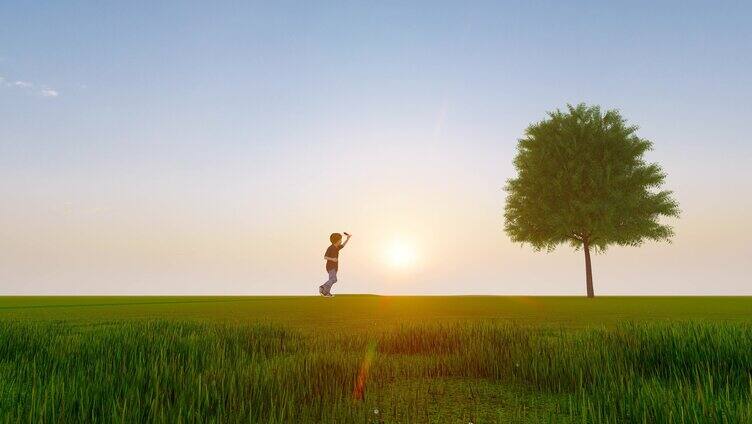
{"x": 360, "y": 384}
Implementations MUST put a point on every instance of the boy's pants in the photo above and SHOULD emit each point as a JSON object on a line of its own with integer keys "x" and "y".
{"x": 330, "y": 282}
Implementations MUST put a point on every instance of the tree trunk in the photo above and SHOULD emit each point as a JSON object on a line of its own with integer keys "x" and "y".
{"x": 588, "y": 270}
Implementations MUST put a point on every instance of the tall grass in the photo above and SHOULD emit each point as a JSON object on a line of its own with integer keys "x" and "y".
{"x": 157, "y": 371}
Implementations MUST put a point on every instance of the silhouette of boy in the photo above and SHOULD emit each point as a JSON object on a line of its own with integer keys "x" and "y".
{"x": 332, "y": 262}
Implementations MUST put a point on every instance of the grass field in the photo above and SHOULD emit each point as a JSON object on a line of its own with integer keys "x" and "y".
{"x": 370, "y": 359}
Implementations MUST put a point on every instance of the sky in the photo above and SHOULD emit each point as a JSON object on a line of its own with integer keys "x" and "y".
{"x": 212, "y": 147}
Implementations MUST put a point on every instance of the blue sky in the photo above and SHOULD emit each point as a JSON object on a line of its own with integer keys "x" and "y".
{"x": 177, "y": 147}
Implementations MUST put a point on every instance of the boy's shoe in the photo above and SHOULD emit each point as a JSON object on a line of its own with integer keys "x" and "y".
{"x": 321, "y": 291}
{"x": 328, "y": 295}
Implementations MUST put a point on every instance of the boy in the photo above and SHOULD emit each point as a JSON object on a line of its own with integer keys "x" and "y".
{"x": 332, "y": 262}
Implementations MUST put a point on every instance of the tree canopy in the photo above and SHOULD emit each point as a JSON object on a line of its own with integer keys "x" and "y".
{"x": 582, "y": 179}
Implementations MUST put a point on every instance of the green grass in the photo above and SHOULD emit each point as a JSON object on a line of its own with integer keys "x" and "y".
{"x": 412, "y": 359}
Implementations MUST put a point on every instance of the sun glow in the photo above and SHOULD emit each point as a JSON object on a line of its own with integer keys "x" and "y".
{"x": 400, "y": 254}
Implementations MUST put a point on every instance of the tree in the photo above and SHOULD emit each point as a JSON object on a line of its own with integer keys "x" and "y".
{"x": 582, "y": 180}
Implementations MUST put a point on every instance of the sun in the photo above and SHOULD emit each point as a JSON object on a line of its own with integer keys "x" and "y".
{"x": 400, "y": 254}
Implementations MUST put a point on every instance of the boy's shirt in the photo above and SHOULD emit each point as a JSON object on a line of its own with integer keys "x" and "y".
{"x": 332, "y": 252}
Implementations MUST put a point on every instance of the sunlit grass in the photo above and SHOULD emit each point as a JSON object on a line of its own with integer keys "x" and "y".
{"x": 138, "y": 371}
